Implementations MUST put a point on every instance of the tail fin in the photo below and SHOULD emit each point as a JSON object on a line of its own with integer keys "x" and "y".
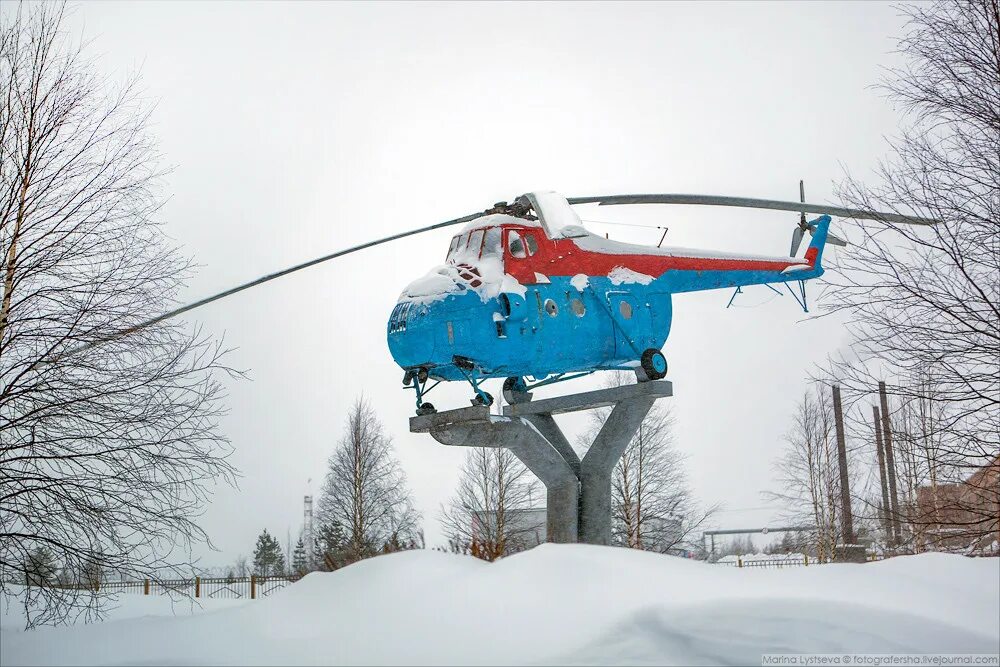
{"x": 814, "y": 253}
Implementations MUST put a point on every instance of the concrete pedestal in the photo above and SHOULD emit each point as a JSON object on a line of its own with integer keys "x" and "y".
{"x": 578, "y": 493}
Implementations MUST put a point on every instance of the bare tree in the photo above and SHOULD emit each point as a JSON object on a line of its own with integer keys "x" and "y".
{"x": 365, "y": 489}
{"x": 924, "y": 302}
{"x": 807, "y": 472}
{"x": 491, "y": 514}
{"x": 105, "y": 452}
{"x": 653, "y": 507}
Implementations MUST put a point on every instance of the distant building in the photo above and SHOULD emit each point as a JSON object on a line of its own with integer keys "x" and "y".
{"x": 661, "y": 533}
{"x": 961, "y": 517}
{"x": 524, "y": 529}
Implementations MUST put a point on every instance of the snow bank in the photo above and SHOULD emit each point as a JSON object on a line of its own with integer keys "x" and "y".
{"x": 561, "y": 604}
{"x": 121, "y": 606}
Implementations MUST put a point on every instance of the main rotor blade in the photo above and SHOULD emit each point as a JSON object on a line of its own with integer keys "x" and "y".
{"x": 272, "y": 276}
{"x": 747, "y": 202}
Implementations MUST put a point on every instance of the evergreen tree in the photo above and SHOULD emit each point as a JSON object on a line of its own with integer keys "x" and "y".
{"x": 40, "y": 567}
{"x": 267, "y": 557}
{"x": 331, "y": 546}
{"x": 300, "y": 565}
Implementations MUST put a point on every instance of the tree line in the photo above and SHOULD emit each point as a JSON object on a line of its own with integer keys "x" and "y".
{"x": 921, "y": 383}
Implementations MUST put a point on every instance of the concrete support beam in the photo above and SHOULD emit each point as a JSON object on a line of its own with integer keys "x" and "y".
{"x": 547, "y": 426}
{"x": 578, "y": 493}
{"x": 598, "y": 464}
{"x": 588, "y": 400}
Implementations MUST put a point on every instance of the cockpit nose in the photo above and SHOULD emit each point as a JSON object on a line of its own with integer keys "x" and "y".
{"x": 410, "y": 341}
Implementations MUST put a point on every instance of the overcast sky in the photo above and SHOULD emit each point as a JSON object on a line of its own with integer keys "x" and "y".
{"x": 296, "y": 129}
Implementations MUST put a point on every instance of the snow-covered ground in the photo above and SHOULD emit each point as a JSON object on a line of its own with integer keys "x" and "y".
{"x": 558, "y": 604}
{"x": 119, "y": 607}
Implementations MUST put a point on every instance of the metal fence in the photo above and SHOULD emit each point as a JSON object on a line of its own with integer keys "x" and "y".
{"x": 251, "y": 587}
{"x": 780, "y": 562}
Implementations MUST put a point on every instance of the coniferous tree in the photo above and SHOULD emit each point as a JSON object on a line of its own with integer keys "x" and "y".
{"x": 40, "y": 567}
{"x": 267, "y": 557}
{"x": 330, "y": 546}
{"x": 300, "y": 564}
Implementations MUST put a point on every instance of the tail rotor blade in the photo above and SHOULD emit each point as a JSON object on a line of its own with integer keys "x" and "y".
{"x": 796, "y": 241}
{"x": 830, "y": 238}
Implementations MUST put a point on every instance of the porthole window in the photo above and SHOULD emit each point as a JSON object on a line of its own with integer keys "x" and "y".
{"x": 625, "y": 308}
{"x": 551, "y": 308}
{"x": 577, "y": 306}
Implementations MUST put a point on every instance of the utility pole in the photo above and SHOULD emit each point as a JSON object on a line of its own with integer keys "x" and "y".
{"x": 886, "y": 521}
{"x": 847, "y": 520}
{"x": 890, "y": 463}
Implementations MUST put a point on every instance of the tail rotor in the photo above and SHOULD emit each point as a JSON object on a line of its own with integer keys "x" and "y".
{"x": 804, "y": 226}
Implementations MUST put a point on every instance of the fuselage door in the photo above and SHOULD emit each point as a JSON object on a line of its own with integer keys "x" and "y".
{"x": 632, "y": 324}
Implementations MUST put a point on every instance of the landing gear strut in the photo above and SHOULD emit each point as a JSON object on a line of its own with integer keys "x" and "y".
{"x": 468, "y": 368}
{"x": 417, "y": 378}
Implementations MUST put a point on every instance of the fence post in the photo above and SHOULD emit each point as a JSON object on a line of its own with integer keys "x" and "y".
{"x": 197, "y": 587}
{"x": 805, "y": 559}
{"x": 739, "y": 561}
{"x": 145, "y": 587}
{"x": 253, "y": 587}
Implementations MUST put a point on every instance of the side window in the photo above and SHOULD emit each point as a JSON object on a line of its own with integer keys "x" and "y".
{"x": 515, "y": 245}
{"x": 475, "y": 242}
{"x": 529, "y": 240}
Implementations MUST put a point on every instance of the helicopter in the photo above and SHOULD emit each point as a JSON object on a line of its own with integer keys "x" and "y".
{"x": 528, "y": 294}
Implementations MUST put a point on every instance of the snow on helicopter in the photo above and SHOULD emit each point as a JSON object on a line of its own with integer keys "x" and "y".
{"x": 526, "y": 292}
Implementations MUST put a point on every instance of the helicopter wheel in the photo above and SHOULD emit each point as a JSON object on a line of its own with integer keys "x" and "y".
{"x": 654, "y": 364}
{"x": 484, "y": 398}
{"x": 515, "y": 390}
{"x": 426, "y": 409}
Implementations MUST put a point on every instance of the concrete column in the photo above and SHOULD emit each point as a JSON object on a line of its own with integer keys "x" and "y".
{"x": 599, "y": 462}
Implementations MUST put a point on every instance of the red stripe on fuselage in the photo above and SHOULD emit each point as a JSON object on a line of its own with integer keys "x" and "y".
{"x": 564, "y": 258}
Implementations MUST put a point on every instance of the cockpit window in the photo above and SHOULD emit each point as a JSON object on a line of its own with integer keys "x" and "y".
{"x": 515, "y": 245}
{"x": 475, "y": 243}
{"x": 453, "y": 248}
{"x": 492, "y": 247}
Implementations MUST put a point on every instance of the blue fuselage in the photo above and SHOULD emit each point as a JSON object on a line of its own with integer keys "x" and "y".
{"x": 553, "y": 328}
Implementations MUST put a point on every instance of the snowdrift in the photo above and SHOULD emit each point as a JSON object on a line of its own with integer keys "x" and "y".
{"x": 560, "y": 604}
